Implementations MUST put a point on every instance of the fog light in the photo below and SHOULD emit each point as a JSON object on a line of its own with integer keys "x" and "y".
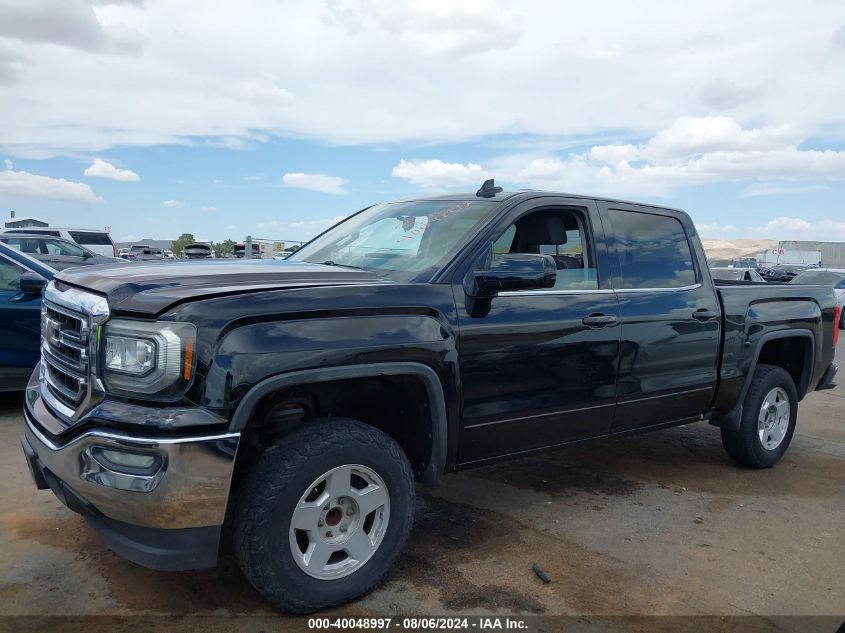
{"x": 128, "y": 462}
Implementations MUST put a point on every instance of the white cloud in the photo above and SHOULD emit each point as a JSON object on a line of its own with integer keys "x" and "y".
{"x": 706, "y": 229}
{"x": 775, "y": 189}
{"x": 8, "y": 164}
{"x": 217, "y": 181}
{"x": 322, "y": 223}
{"x": 785, "y": 225}
{"x": 172, "y": 204}
{"x": 436, "y": 71}
{"x": 437, "y": 173}
{"x": 208, "y": 209}
{"x": 264, "y": 92}
{"x": 231, "y": 227}
{"x": 315, "y": 182}
{"x": 435, "y": 27}
{"x": 778, "y": 228}
{"x": 101, "y": 169}
{"x": 689, "y": 152}
{"x": 22, "y": 184}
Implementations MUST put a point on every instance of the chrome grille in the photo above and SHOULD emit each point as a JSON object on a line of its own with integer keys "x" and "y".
{"x": 65, "y": 348}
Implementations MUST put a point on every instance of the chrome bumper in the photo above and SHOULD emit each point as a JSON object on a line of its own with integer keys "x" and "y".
{"x": 190, "y": 488}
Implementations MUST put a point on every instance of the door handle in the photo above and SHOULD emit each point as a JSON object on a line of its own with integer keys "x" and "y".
{"x": 704, "y": 314}
{"x": 597, "y": 320}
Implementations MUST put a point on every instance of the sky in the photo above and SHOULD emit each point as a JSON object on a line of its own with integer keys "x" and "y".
{"x": 275, "y": 118}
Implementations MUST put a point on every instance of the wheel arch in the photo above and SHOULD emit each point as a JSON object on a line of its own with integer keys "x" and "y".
{"x": 438, "y": 421}
{"x": 766, "y": 349}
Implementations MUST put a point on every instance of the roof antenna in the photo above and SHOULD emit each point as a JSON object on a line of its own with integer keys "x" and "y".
{"x": 488, "y": 189}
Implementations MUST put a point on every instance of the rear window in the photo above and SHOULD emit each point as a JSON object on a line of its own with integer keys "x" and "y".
{"x": 819, "y": 278}
{"x": 730, "y": 274}
{"x": 652, "y": 251}
{"x": 90, "y": 237}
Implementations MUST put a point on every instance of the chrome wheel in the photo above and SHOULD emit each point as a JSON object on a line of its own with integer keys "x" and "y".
{"x": 773, "y": 420}
{"x": 339, "y": 522}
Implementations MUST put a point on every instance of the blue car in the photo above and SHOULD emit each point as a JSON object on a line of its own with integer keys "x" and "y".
{"x": 22, "y": 279}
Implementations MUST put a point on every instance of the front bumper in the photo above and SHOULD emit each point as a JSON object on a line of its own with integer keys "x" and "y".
{"x": 169, "y": 519}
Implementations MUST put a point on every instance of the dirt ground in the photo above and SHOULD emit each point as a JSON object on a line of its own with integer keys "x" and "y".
{"x": 661, "y": 523}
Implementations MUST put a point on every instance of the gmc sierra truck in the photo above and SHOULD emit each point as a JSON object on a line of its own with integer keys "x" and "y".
{"x": 296, "y": 402}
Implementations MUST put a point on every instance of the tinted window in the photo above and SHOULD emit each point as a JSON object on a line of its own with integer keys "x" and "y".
{"x": 652, "y": 250}
{"x": 818, "y": 278}
{"x": 24, "y": 244}
{"x": 10, "y": 275}
{"x": 87, "y": 237}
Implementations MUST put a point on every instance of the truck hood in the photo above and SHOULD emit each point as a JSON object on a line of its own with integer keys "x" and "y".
{"x": 147, "y": 289}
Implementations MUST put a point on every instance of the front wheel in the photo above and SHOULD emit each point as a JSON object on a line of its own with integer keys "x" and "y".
{"x": 769, "y": 413}
{"x": 324, "y": 514}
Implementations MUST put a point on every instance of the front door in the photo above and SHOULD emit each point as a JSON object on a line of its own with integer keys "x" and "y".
{"x": 670, "y": 319}
{"x": 538, "y": 368}
{"x": 20, "y": 328}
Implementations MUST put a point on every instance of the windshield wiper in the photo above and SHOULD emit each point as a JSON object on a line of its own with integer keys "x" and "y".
{"x": 331, "y": 263}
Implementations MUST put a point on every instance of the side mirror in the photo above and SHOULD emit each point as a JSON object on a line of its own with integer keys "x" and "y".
{"x": 32, "y": 283}
{"x": 516, "y": 271}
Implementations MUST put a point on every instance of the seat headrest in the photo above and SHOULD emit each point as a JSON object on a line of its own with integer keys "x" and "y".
{"x": 541, "y": 228}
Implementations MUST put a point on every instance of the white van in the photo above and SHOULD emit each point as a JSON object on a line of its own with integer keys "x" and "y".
{"x": 94, "y": 240}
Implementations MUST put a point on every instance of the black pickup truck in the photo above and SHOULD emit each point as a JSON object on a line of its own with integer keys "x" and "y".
{"x": 297, "y": 402}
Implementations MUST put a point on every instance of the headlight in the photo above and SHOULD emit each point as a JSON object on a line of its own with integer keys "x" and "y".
{"x": 147, "y": 359}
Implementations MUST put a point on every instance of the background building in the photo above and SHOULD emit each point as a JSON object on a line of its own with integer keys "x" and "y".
{"x": 833, "y": 253}
{"x": 22, "y": 223}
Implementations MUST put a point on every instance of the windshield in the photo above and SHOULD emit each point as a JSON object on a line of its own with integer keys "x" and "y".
{"x": 818, "y": 278}
{"x": 403, "y": 240}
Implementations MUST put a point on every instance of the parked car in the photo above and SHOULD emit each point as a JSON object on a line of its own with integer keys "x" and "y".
{"x": 736, "y": 274}
{"x": 827, "y": 277}
{"x": 56, "y": 252}
{"x": 774, "y": 275}
{"x": 22, "y": 279}
{"x": 168, "y": 254}
{"x": 198, "y": 250}
{"x": 299, "y": 400}
{"x": 145, "y": 253}
{"x": 99, "y": 242}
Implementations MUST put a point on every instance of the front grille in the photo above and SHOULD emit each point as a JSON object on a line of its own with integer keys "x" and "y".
{"x": 65, "y": 342}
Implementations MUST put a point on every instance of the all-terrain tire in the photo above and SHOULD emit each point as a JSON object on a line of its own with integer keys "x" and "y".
{"x": 273, "y": 489}
{"x": 744, "y": 445}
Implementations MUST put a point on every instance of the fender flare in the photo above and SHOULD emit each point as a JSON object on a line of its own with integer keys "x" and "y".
{"x": 732, "y": 419}
{"x": 433, "y": 386}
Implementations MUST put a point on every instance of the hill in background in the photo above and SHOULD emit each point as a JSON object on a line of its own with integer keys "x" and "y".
{"x": 734, "y": 249}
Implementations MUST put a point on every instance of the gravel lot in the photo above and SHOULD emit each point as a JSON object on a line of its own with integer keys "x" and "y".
{"x": 661, "y": 523}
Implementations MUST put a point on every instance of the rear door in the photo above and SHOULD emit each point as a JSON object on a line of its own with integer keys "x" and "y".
{"x": 534, "y": 372}
{"x": 669, "y": 312}
{"x": 20, "y": 327}
{"x": 61, "y": 254}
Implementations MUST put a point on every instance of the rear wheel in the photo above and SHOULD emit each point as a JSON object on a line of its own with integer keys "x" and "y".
{"x": 769, "y": 412}
{"x": 324, "y": 514}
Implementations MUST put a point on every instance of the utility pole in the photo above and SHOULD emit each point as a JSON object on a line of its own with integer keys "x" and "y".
{"x": 248, "y": 247}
